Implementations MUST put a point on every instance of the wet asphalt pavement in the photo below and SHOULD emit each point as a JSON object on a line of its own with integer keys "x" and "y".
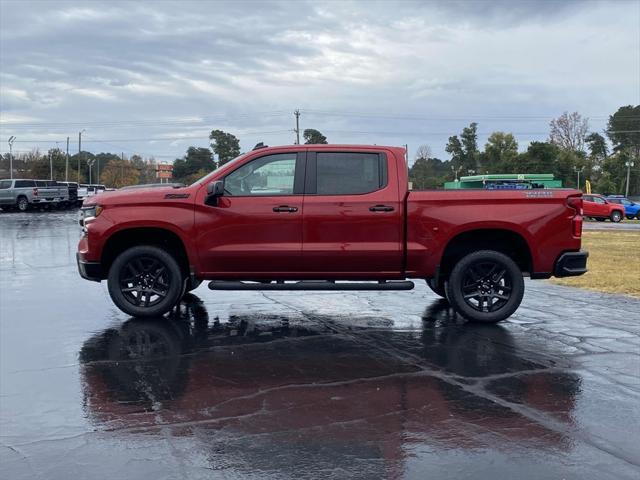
{"x": 314, "y": 385}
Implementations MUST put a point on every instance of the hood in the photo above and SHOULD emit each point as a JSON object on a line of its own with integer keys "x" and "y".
{"x": 140, "y": 194}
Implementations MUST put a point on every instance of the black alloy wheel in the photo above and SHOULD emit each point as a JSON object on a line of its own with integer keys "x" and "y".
{"x": 486, "y": 286}
{"x": 145, "y": 281}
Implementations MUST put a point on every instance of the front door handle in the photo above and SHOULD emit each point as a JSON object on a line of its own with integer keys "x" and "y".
{"x": 285, "y": 208}
{"x": 381, "y": 208}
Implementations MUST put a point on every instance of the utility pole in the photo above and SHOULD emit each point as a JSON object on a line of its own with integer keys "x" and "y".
{"x": 628, "y": 164}
{"x": 66, "y": 165}
{"x": 11, "y": 140}
{"x": 79, "y": 150}
{"x": 297, "y": 130}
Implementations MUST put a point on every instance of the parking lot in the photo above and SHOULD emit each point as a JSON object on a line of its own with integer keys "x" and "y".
{"x": 305, "y": 385}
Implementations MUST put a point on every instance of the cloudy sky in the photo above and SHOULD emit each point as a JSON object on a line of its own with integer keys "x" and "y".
{"x": 155, "y": 77}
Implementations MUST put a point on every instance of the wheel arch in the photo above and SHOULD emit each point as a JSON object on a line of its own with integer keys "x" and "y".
{"x": 126, "y": 238}
{"x": 502, "y": 240}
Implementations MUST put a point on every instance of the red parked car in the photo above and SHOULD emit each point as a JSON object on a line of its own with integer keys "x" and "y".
{"x": 310, "y": 217}
{"x": 598, "y": 207}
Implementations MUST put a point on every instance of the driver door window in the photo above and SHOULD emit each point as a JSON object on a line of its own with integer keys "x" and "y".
{"x": 272, "y": 175}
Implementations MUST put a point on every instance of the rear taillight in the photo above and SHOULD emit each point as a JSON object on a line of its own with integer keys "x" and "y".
{"x": 35, "y": 191}
{"x": 575, "y": 203}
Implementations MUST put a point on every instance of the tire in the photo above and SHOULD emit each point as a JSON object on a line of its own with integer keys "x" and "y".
{"x": 22, "y": 204}
{"x": 145, "y": 281}
{"x": 629, "y": 217}
{"x": 616, "y": 216}
{"x": 440, "y": 290}
{"x": 495, "y": 278}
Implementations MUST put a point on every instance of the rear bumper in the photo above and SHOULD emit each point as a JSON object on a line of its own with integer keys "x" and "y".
{"x": 571, "y": 264}
{"x": 89, "y": 270}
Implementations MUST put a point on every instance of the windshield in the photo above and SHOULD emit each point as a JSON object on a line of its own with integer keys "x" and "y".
{"x": 230, "y": 162}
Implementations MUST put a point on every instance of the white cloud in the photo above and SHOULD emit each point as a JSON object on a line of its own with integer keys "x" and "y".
{"x": 433, "y": 66}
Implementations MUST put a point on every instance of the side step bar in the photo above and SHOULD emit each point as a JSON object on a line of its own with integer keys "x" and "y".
{"x": 311, "y": 285}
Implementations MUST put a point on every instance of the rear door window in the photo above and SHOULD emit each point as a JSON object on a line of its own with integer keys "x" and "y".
{"x": 349, "y": 173}
{"x": 25, "y": 183}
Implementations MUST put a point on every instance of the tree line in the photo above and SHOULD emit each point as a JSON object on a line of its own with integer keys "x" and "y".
{"x": 570, "y": 148}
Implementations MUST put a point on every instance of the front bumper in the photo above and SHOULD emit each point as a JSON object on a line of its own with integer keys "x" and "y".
{"x": 571, "y": 264}
{"x": 89, "y": 270}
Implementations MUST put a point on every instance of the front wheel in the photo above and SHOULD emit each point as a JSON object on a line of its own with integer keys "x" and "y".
{"x": 145, "y": 281}
{"x": 439, "y": 289}
{"x": 616, "y": 216}
{"x": 485, "y": 286}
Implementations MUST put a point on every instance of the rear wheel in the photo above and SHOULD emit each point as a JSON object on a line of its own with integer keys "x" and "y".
{"x": 616, "y": 216}
{"x": 145, "y": 281}
{"x": 22, "y": 204}
{"x": 485, "y": 286}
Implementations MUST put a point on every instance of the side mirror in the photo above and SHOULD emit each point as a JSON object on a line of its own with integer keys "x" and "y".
{"x": 215, "y": 189}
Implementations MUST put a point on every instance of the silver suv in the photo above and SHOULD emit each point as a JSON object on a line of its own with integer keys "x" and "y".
{"x": 23, "y": 193}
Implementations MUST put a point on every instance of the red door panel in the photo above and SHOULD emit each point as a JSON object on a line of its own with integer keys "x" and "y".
{"x": 595, "y": 208}
{"x": 352, "y": 235}
{"x": 255, "y": 229}
{"x": 245, "y": 234}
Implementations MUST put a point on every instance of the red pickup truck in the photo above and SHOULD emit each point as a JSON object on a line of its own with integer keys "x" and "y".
{"x": 327, "y": 217}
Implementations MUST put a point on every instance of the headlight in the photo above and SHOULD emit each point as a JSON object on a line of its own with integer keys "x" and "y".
{"x": 87, "y": 214}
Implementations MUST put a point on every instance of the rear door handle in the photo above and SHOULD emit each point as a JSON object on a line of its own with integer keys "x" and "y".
{"x": 285, "y": 208}
{"x": 381, "y": 208}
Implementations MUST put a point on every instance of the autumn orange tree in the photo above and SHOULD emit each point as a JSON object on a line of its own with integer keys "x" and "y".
{"x": 119, "y": 173}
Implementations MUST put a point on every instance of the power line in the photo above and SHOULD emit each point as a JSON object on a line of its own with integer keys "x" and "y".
{"x": 140, "y": 122}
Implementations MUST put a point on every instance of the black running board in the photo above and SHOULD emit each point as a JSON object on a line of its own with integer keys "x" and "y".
{"x": 311, "y": 285}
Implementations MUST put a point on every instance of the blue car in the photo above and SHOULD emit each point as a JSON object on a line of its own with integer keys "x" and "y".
{"x": 631, "y": 209}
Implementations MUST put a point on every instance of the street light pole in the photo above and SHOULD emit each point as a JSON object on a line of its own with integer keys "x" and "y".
{"x": 578, "y": 170}
{"x": 628, "y": 164}
{"x": 11, "y": 140}
{"x": 90, "y": 163}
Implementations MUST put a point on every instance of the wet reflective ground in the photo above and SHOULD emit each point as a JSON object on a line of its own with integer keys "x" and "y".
{"x": 312, "y": 385}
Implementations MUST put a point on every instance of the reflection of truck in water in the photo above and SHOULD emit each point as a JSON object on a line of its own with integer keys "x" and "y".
{"x": 306, "y": 384}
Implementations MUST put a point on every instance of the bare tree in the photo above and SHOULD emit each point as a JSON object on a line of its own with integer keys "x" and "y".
{"x": 423, "y": 151}
{"x": 568, "y": 131}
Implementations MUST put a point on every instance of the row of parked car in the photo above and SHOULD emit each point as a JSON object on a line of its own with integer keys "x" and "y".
{"x": 25, "y": 193}
{"x": 611, "y": 207}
